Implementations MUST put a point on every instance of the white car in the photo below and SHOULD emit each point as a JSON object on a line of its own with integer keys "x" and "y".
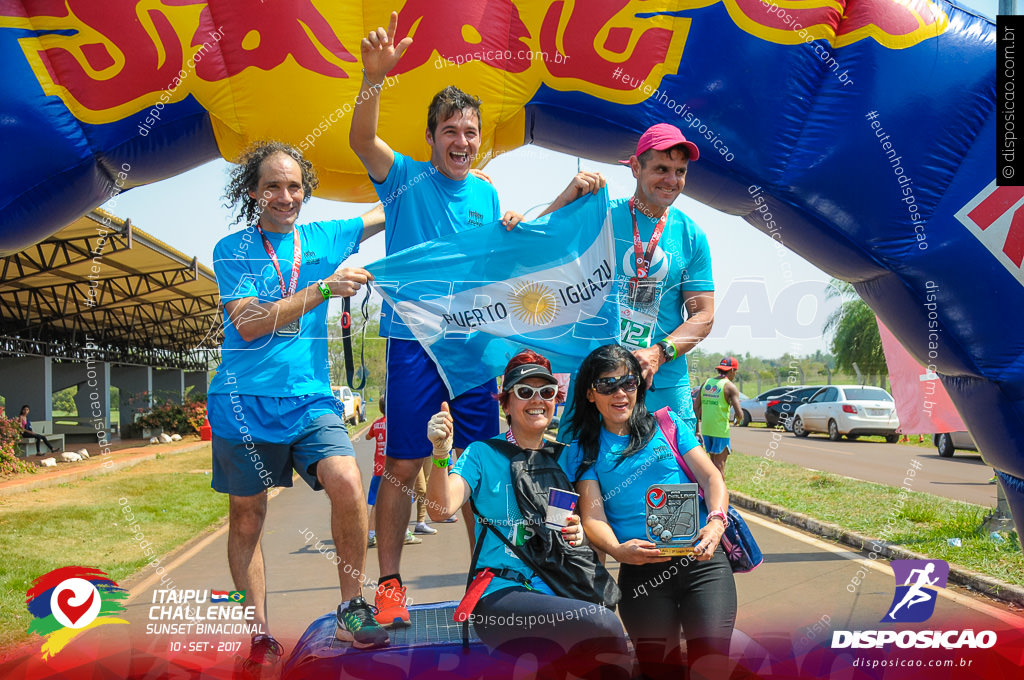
{"x": 753, "y": 409}
{"x": 343, "y": 393}
{"x": 851, "y": 410}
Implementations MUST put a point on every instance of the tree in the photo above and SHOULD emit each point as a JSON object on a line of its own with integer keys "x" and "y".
{"x": 856, "y": 338}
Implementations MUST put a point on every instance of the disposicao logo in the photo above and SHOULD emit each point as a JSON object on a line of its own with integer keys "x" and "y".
{"x": 914, "y": 600}
{"x": 917, "y": 586}
{"x": 68, "y": 601}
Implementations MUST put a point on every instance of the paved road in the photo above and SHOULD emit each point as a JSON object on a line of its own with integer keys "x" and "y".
{"x": 963, "y": 477}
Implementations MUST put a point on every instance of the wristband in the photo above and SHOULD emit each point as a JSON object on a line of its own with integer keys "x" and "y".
{"x": 371, "y": 83}
{"x": 442, "y": 462}
{"x": 668, "y": 349}
{"x": 325, "y": 290}
{"x": 720, "y": 515}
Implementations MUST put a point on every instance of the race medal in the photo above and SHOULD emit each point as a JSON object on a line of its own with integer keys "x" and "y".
{"x": 288, "y": 330}
{"x": 640, "y": 296}
{"x": 672, "y": 517}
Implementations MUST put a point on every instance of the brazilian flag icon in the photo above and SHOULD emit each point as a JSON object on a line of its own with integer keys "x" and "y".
{"x": 237, "y": 596}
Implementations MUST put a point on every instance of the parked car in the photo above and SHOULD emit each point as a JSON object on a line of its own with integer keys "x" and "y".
{"x": 779, "y": 411}
{"x": 360, "y": 407}
{"x": 343, "y": 393}
{"x": 753, "y": 408}
{"x": 851, "y": 410}
{"x": 948, "y": 442}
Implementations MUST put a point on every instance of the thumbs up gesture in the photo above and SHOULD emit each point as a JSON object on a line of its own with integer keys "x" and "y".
{"x": 441, "y": 430}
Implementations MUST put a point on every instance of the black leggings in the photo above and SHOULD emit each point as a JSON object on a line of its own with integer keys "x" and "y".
{"x": 39, "y": 438}
{"x": 660, "y": 599}
{"x": 562, "y": 633}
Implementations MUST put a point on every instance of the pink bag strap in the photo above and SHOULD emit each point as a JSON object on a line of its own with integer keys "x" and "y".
{"x": 668, "y": 428}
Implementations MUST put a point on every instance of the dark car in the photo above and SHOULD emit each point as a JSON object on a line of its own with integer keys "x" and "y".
{"x": 780, "y": 410}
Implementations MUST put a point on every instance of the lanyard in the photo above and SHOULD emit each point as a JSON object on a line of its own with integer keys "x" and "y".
{"x": 296, "y": 262}
{"x": 511, "y": 438}
{"x": 641, "y": 258}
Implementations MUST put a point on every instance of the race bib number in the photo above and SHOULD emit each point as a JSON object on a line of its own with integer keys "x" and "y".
{"x": 635, "y": 334}
{"x": 638, "y": 312}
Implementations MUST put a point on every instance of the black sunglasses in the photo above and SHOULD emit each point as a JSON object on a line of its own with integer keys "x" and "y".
{"x": 611, "y": 385}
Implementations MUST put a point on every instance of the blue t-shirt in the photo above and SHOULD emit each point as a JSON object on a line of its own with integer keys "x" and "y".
{"x": 624, "y": 481}
{"x": 421, "y": 204}
{"x": 682, "y": 261}
{"x": 490, "y": 483}
{"x": 276, "y": 365}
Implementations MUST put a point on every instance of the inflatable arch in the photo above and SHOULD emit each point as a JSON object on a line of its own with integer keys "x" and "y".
{"x": 861, "y": 135}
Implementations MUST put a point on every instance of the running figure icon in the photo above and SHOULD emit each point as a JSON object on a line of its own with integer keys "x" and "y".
{"x": 916, "y": 594}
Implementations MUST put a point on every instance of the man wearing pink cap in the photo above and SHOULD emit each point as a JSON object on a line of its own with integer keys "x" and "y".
{"x": 664, "y": 265}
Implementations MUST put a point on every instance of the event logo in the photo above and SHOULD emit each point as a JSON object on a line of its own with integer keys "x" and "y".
{"x": 914, "y": 600}
{"x": 896, "y": 24}
{"x": 917, "y": 585}
{"x": 656, "y": 498}
{"x": 68, "y": 601}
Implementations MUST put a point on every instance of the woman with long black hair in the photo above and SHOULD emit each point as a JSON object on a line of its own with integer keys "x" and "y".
{"x": 619, "y": 451}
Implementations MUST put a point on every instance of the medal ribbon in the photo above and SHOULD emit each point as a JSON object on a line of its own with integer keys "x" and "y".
{"x": 641, "y": 258}
{"x": 296, "y": 262}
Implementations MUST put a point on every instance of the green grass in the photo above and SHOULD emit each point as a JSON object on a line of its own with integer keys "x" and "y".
{"x": 923, "y": 522}
{"x": 82, "y": 523}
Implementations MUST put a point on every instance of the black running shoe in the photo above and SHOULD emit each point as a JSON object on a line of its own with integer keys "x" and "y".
{"x": 354, "y": 623}
{"x": 264, "y": 657}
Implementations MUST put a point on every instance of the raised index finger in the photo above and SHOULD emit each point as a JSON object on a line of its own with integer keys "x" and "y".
{"x": 393, "y": 26}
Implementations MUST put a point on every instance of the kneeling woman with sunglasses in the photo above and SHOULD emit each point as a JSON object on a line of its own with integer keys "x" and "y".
{"x": 517, "y": 611}
{"x": 618, "y": 453}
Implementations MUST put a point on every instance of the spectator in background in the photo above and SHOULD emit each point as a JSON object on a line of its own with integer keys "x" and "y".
{"x": 26, "y": 430}
{"x": 717, "y": 396}
{"x": 378, "y": 432}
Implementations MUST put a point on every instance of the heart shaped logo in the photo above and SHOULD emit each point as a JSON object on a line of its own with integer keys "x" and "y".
{"x": 75, "y": 603}
{"x": 656, "y": 498}
{"x": 73, "y": 612}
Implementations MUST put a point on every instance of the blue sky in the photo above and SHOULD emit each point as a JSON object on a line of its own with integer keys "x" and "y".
{"x": 747, "y": 271}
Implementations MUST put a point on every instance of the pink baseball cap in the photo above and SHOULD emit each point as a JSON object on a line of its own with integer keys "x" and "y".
{"x": 661, "y": 136}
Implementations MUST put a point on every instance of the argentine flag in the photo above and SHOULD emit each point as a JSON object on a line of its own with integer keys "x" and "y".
{"x": 475, "y": 298}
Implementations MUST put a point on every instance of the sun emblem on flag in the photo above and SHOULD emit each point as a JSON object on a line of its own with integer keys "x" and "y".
{"x": 534, "y": 303}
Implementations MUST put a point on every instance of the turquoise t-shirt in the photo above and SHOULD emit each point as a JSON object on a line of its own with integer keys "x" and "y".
{"x": 682, "y": 261}
{"x": 624, "y": 481}
{"x": 490, "y": 482}
{"x": 276, "y": 365}
{"x": 421, "y": 204}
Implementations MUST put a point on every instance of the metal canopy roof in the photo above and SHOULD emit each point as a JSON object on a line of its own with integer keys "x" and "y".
{"x": 102, "y": 281}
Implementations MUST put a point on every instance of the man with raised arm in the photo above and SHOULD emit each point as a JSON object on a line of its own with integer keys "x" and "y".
{"x": 665, "y": 289}
{"x": 422, "y": 200}
{"x": 270, "y": 403}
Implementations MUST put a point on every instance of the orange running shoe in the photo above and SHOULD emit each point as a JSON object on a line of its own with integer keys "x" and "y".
{"x": 390, "y": 603}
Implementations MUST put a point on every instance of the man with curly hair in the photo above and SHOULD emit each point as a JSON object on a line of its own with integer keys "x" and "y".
{"x": 270, "y": 403}
{"x": 422, "y": 201}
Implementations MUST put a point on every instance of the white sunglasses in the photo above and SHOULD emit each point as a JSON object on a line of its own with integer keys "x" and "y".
{"x": 527, "y": 392}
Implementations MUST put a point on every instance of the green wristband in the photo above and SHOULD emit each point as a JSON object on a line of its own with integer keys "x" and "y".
{"x": 325, "y": 290}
